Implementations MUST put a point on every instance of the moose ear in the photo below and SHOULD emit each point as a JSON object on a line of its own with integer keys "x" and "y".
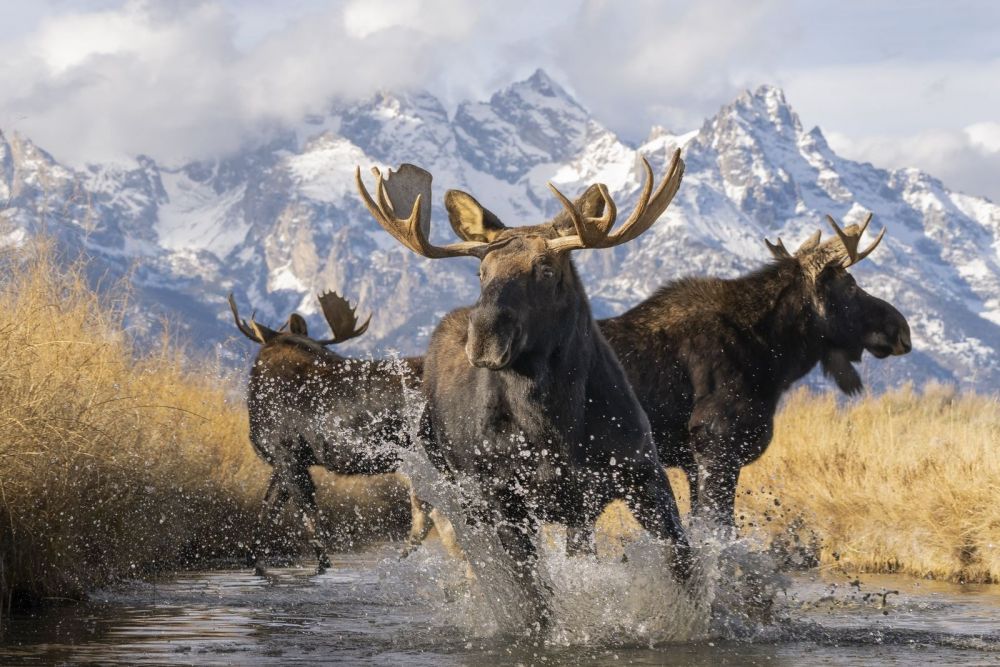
{"x": 590, "y": 205}
{"x": 470, "y": 220}
{"x": 297, "y": 325}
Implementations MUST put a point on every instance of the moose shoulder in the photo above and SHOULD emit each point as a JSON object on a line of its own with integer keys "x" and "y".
{"x": 709, "y": 359}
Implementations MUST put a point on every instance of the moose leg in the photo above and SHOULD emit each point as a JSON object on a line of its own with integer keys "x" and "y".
{"x": 652, "y": 502}
{"x": 717, "y": 480}
{"x": 691, "y": 473}
{"x": 580, "y": 538}
{"x": 420, "y": 523}
{"x": 306, "y": 498}
{"x": 517, "y": 536}
{"x": 274, "y": 500}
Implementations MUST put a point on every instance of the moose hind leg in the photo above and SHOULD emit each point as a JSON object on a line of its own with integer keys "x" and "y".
{"x": 306, "y": 497}
{"x": 274, "y": 500}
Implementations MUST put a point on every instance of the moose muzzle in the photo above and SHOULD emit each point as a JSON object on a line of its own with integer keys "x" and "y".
{"x": 494, "y": 337}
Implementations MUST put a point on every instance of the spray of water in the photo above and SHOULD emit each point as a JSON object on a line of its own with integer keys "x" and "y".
{"x": 627, "y": 597}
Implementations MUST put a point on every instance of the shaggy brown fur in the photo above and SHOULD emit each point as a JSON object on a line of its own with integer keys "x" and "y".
{"x": 709, "y": 359}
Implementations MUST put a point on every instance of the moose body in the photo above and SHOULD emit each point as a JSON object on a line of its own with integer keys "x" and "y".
{"x": 309, "y": 406}
{"x": 525, "y": 398}
{"x": 710, "y": 359}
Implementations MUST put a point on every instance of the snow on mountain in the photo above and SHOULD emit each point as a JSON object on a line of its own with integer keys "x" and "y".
{"x": 280, "y": 222}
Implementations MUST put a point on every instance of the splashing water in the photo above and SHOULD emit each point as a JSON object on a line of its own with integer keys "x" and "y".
{"x": 618, "y": 599}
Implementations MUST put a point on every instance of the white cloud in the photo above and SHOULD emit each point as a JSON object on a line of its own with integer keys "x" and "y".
{"x": 967, "y": 159}
{"x": 103, "y": 80}
{"x": 178, "y": 80}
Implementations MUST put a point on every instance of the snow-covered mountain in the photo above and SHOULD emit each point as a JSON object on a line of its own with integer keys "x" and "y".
{"x": 280, "y": 222}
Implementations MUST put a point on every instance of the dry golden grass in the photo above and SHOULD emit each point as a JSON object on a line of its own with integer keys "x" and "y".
{"x": 904, "y": 482}
{"x": 114, "y": 464}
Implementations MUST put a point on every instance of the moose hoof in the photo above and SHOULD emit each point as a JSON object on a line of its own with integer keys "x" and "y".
{"x": 323, "y": 565}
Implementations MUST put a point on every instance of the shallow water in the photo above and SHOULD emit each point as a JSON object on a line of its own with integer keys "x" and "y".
{"x": 372, "y": 608}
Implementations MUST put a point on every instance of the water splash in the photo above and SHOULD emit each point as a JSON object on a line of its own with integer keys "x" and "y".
{"x": 612, "y": 599}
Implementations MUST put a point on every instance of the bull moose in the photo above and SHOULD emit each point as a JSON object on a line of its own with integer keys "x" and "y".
{"x": 525, "y": 398}
{"x": 709, "y": 359}
{"x": 310, "y": 406}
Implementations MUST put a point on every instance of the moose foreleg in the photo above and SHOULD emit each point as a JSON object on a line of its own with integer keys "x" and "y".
{"x": 717, "y": 480}
{"x": 518, "y": 539}
{"x": 580, "y": 539}
{"x": 652, "y": 502}
{"x": 420, "y": 523}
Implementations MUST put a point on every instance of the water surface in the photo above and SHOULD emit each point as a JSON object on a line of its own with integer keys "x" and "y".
{"x": 372, "y": 608}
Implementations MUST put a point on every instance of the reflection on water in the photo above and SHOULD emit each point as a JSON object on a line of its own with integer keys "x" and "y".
{"x": 371, "y": 608}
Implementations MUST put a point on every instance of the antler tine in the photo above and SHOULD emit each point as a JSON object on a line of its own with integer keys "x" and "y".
{"x": 408, "y": 231}
{"x": 868, "y": 251}
{"x": 241, "y": 324}
{"x": 852, "y": 239}
{"x": 778, "y": 250}
{"x": 650, "y": 208}
{"x": 864, "y": 225}
{"x": 810, "y": 243}
{"x": 341, "y": 317}
{"x": 595, "y": 232}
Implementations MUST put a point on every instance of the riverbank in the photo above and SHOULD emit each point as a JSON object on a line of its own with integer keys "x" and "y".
{"x": 117, "y": 462}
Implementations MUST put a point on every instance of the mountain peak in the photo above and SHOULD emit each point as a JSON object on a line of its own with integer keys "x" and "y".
{"x": 766, "y": 107}
{"x": 538, "y": 90}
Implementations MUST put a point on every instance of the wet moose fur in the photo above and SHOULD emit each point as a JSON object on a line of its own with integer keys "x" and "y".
{"x": 525, "y": 398}
{"x": 309, "y": 406}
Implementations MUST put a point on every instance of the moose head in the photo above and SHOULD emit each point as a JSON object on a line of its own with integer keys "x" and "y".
{"x": 529, "y": 289}
{"x": 338, "y": 312}
{"x": 850, "y": 321}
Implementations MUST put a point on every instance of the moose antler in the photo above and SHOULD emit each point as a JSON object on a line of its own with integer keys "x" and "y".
{"x": 399, "y": 189}
{"x": 851, "y": 238}
{"x": 342, "y": 319}
{"x": 255, "y": 331}
{"x": 596, "y": 232}
{"x": 779, "y": 251}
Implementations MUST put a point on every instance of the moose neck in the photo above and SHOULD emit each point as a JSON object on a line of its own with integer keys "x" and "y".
{"x": 782, "y": 314}
{"x": 566, "y": 338}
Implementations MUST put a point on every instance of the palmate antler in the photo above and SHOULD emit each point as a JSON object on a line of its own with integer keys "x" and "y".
{"x": 596, "y": 232}
{"x": 840, "y": 251}
{"x": 412, "y": 184}
{"x": 341, "y": 317}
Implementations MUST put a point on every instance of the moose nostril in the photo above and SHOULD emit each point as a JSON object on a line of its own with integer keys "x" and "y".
{"x": 904, "y": 341}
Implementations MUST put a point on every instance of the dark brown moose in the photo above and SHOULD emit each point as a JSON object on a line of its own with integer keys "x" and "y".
{"x": 525, "y": 399}
{"x": 310, "y": 406}
{"x": 710, "y": 358}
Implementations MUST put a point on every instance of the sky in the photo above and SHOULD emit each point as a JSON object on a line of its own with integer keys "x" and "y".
{"x": 896, "y": 83}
